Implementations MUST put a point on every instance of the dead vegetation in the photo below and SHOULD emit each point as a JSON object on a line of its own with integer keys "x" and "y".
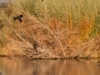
{"x": 40, "y": 37}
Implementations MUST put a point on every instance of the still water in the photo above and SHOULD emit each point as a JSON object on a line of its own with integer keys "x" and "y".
{"x": 49, "y": 67}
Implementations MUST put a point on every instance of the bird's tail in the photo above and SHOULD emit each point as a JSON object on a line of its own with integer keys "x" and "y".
{"x": 14, "y": 18}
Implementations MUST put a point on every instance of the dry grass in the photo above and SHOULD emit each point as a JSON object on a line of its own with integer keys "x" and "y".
{"x": 60, "y": 29}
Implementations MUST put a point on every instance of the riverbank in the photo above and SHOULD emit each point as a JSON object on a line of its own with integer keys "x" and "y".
{"x": 13, "y": 51}
{"x": 50, "y": 29}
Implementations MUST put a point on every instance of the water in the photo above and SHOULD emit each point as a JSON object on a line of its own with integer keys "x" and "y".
{"x": 49, "y": 67}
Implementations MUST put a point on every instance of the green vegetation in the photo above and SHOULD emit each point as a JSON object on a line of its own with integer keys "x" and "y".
{"x": 61, "y": 29}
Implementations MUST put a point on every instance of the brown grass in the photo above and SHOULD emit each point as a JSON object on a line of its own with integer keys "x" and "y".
{"x": 55, "y": 37}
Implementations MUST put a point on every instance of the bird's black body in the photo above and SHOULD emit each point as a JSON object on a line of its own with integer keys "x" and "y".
{"x": 20, "y": 18}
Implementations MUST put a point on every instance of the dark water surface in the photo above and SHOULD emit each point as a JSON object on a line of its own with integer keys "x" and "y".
{"x": 49, "y": 67}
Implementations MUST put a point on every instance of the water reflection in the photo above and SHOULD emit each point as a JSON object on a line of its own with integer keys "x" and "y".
{"x": 49, "y": 67}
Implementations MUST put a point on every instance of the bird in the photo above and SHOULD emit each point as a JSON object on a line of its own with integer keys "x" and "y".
{"x": 35, "y": 46}
{"x": 19, "y": 17}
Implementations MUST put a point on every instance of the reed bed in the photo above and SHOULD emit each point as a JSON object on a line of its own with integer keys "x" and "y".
{"x": 60, "y": 29}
